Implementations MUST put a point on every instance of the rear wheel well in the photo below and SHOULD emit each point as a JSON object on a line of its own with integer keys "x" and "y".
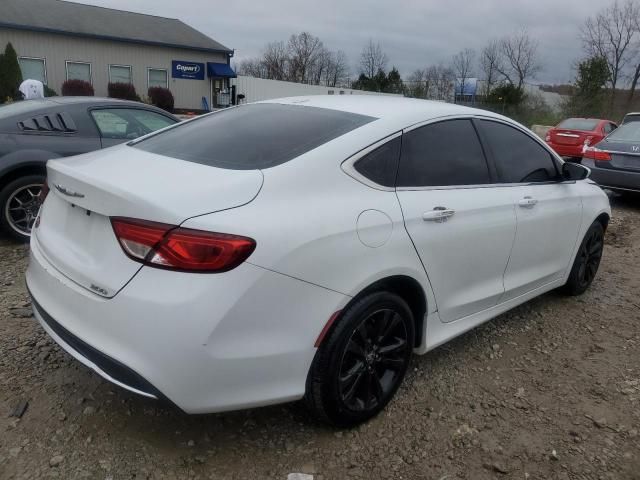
{"x": 410, "y": 291}
{"x": 603, "y": 218}
{"x": 16, "y": 173}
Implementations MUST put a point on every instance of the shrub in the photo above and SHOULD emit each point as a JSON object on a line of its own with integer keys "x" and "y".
{"x": 77, "y": 88}
{"x": 123, "y": 91}
{"x": 10, "y": 75}
{"x": 49, "y": 92}
{"x": 161, "y": 98}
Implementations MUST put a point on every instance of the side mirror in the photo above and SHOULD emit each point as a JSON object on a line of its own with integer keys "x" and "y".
{"x": 574, "y": 171}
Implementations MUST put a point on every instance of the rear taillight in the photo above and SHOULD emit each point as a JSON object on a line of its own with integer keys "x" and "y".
{"x": 171, "y": 247}
{"x": 44, "y": 191}
{"x": 596, "y": 154}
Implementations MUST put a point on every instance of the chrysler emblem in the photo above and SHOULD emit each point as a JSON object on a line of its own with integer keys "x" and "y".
{"x": 68, "y": 192}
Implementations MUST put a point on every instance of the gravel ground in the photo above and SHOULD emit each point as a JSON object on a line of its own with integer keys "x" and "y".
{"x": 550, "y": 390}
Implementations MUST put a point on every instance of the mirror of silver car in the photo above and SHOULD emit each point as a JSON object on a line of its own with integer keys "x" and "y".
{"x": 574, "y": 171}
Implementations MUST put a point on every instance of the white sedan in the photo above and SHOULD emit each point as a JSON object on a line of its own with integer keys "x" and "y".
{"x": 304, "y": 248}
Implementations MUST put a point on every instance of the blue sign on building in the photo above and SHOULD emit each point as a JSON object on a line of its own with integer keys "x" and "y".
{"x": 187, "y": 70}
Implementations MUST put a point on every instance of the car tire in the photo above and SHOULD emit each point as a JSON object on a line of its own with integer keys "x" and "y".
{"x": 24, "y": 189}
{"x": 362, "y": 360}
{"x": 585, "y": 266}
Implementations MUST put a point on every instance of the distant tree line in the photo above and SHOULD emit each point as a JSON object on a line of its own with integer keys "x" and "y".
{"x": 302, "y": 59}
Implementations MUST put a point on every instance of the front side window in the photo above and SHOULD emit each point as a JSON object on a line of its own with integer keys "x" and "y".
{"x": 79, "y": 71}
{"x": 442, "y": 154}
{"x": 157, "y": 78}
{"x": 381, "y": 165}
{"x": 120, "y": 74}
{"x": 519, "y": 158}
{"x": 33, "y": 69}
{"x": 252, "y": 137}
{"x": 128, "y": 124}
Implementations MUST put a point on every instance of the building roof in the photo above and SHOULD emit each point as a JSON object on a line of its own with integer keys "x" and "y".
{"x": 70, "y": 18}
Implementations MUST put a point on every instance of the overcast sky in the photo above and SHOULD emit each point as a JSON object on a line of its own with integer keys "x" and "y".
{"x": 413, "y": 33}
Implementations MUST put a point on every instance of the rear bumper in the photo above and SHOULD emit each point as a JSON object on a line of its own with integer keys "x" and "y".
{"x": 566, "y": 150}
{"x": 207, "y": 343}
{"x": 613, "y": 179}
{"x": 105, "y": 366}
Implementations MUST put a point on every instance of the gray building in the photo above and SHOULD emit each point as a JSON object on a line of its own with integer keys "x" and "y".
{"x": 57, "y": 40}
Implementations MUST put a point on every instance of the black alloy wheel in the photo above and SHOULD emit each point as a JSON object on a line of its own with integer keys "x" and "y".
{"x": 362, "y": 360}
{"x": 374, "y": 358}
{"x": 587, "y": 261}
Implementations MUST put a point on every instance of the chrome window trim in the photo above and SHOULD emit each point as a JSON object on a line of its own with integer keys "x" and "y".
{"x": 348, "y": 165}
{"x": 348, "y": 168}
{"x": 66, "y": 69}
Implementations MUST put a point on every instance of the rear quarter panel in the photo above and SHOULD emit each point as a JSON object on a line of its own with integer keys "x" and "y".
{"x": 305, "y": 223}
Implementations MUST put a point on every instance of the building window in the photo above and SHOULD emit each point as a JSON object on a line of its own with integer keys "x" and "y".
{"x": 120, "y": 74}
{"x": 33, "y": 68}
{"x": 157, "y": 77}
{"x": 79, "y": 71}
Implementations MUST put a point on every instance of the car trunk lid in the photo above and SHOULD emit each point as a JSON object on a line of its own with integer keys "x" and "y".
{"x": 570, "y": 137}
{"x": 624, "y": 155}
{"x": 75, "y": 232}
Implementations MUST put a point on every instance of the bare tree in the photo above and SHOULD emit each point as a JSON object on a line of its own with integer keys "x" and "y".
{"x": 635, "y": 48}
{"x": 441, "y": 80}
{"x": 304, "y": 51}
{"x": 252, "y": 67}
{"x": 275, "y": 61}
{"x": 463, "y": 63}
{"x": 416, "y": 85}
{"x": 520, "y": 53}
{"x": 610, "y": 34}
{"x": 337, "y": 71}
{"x": 372, "y": 59}
{"x": 490, "y": 62}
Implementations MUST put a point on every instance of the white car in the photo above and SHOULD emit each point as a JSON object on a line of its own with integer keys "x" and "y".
{"x": 303, "y": 248}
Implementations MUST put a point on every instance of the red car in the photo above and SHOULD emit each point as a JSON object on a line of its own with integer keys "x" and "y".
{"x": 570, "y": 136}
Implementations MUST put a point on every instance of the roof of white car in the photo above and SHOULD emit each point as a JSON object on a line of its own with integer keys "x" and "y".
{"x": 407, "y": 110}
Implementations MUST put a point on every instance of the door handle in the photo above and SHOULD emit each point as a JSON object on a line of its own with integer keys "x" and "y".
{"x": 527, "y": 202}
{"x": 438, "y": 214}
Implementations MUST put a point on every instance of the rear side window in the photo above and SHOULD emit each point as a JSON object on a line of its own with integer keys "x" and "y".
{"x": 381, "y": 165}
{"x": 442, "y": 154}
{"x": 253, "y": 136}
{"x": 126, "y": 123}
{"x": 518, "y": 157}
{"x": 579, "y": 124}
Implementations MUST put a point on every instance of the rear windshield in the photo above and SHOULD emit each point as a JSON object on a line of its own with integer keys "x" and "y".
{"x": 629, "y": 132}
{"x": 254, "y": 136}
{"x": 579, "y": 124}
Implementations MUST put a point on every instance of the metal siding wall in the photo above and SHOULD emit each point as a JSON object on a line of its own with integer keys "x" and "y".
{"x": 56, "y": 49}
{"x": 256, "y": 89}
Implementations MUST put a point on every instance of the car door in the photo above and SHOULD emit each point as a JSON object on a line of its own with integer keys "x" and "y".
{"x": 119, "y": 125}
{"x": 462, "y": 228}
{"x": 548, "y": 210}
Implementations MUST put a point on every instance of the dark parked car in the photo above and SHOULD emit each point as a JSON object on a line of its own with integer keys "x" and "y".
{"x": 615, "y": 161}
{"x": 33, "y": 131}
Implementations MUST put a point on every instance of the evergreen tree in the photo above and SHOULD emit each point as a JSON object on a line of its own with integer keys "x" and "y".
{"x": 10, "y": 75}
